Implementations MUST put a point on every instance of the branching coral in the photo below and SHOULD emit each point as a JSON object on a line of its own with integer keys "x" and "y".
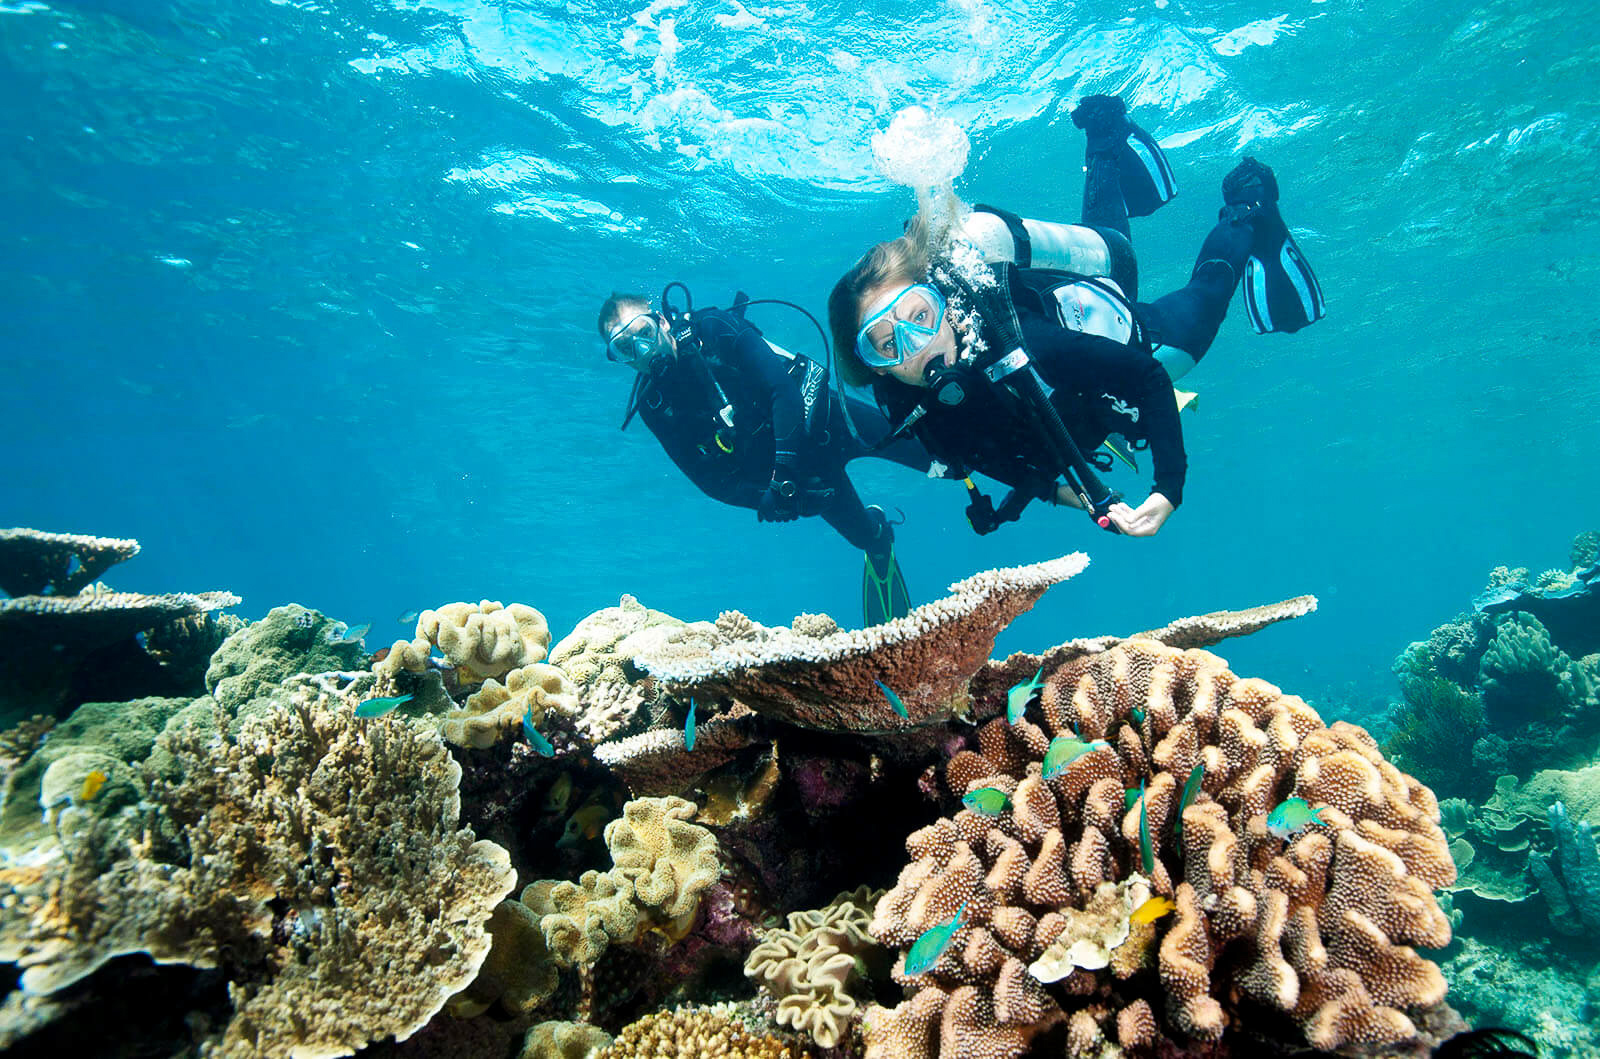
{"x": 314, "y": 857}
{"x": 808, "y": 966}
{"x": 1319, "y": 929}
{"x": 695, "y": 1033}
{"x": 831, "y": 682}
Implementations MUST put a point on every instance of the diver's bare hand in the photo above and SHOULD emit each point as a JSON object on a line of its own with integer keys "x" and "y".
{"x": 1144, "y": 521}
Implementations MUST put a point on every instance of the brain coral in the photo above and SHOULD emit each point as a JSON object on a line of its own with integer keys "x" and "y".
{"x": 1319, "y": 927}
{"x": 315, "y": 858}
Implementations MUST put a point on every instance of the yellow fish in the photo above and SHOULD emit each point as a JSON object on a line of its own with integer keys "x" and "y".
{"x": 1151, "y": 910}
{"x": 91, "y": 785}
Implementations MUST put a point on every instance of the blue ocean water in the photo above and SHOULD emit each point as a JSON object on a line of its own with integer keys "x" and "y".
{"x": 302, "y": 294}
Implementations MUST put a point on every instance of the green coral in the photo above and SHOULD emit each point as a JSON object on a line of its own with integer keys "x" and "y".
{"x": 289, "y": 640}
{"x": 1522, "y": 672}
{"x": 1434, "y": 732}
{"x": 1585, "y": 549}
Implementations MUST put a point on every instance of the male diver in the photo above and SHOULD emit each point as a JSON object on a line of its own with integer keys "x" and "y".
{"x": 1017, "y": 366}
{"x": 756, "y": 426}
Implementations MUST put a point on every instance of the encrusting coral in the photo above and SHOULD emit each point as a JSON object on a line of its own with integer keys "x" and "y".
{"x": 313, "y": 857}
{"x": 808, "y": 966}
{"x": 831, "y": 681}
{"x": 1319, "y": 928}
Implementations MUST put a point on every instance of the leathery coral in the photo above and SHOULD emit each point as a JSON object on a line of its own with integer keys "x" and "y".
{"x": 830, "y": 681}
{"x": 807, "y": 966}
{"x": 313, "y": 856}
{"x": 1319, "y": 929}
{"x": 484, "y": 640}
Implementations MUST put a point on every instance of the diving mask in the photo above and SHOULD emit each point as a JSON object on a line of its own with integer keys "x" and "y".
{"x": 638, "y": 341}
{"x": 901, "y": 327}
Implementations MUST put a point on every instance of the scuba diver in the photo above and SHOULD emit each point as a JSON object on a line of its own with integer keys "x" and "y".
{"x": 1015, "y": 346}
{"x": 756, "y": 426}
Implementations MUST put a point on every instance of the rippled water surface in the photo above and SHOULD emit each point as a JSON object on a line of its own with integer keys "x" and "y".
{"x": 302, "y": 295}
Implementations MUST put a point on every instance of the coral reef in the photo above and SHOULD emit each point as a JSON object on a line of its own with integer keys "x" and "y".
{"x": 291, "y": 639}
{"x": 311, "y": 857}
{"x": 1569, "y": 880}
{"x": 696, "y": 1033}
{"x": 832, "y": 682}
{"x": 808, "y": 966}
{"x": 482, "y": 640}
{"x": 564, "y": 1040}
{"x": 539, "y": 692}
{"x": 36, "y": 563}
{"x": 1319, "y": 930}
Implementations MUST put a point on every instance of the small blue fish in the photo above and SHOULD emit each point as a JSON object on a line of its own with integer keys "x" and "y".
{"x": 688, "y": 728}
{"x": 1292, "y": 817}
{"x": 986, "y": 801}
{"x": 379, "y": 707}
{"x": 1138, "y": 715}
{"x": 932, "y": 943}
{"x": 409, "y": 617}
{"x": 536, "y": 738}
{"x": 894, "y": 700}
{"x": 74, "y": 564}
{"x": 1020, "y": 695}
{"x": 354, "y": 635}
{"x": 1064, "y": 750}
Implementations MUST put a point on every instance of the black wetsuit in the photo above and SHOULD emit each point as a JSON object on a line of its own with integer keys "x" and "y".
{"x": 773, "y": 414}
{"x": 1100, "y": 386}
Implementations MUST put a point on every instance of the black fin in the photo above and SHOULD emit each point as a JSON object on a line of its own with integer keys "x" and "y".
{"x": 1489, "y": 1041}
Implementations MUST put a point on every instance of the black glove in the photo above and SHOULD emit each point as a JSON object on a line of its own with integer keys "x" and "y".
{"x": 787, "y": 500}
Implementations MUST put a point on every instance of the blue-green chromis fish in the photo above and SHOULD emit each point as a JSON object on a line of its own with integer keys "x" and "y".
{"x": 1138, "y": 715}
{"x": 894, "y": 700}
{"x": 1064, "y": 750}
{"x": 987, "y": 801}
{"x": 536, "y": 738}
{"x": 927, "y": 949}
{"x": 1147, "y": 854}
{"x": 1020, "y": 695}
{"x": 688, "y": 728}
{"x": 379, "y": 707}
{"x": 1292, "y": 817}
{"x": 1129, "y": 796}
{"x": 1190, "y": 789}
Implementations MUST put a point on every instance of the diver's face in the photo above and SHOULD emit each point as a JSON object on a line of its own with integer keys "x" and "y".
{"x": 897, "y": 317}
{"x": 637, "y": 336}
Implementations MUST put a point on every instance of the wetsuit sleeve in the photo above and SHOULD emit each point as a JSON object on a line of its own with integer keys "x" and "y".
{"x": 708, "y": 471}
{"x": 778, "y": 385}
{"x": 1102, "y": 371}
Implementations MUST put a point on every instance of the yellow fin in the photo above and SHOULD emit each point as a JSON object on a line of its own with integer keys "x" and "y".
{"x": 1152, "y": 910}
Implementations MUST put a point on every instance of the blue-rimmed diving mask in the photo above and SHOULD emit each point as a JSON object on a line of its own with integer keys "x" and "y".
{"x": 638, "y": 341}
{"x": 900, "y": 327}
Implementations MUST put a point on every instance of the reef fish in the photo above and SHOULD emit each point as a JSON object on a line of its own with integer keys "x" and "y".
{"x": 688, "y": 727}
{"x": 536, "y": 738}
{"x": 1147, "y": 853}
{"x": 894, "y": 700}
{"x": 409, "y": 617}
{"x": 1020, "y": 695}
{"x": 585, "y": 825}
{"x": 1292, "y": 817}
{"x": 1137, "y": 714}
{"x": 91, "y": 785}
{"x": 930, "y": 945}
{"x": 1190, "y": 789}
{"x": 339, "y": 632}
{"x": 1151, "y": 910}
{"x": 379, "y": 707}
{"x": 1065, "y": 749}
{"x": 986, "y": 801}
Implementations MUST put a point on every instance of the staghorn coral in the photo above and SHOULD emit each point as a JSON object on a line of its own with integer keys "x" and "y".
{"x": 481, "y": 640}
{"x": 831, "y": 682}
{"x": 662, "y": 863}
{"x": 315, "y": 860}
{"x": 695, "y": 1033}
{"x": 1319, "y": 929}
{"x": 496, "y": 711}
{"x": 33, "y": 562}
{"x": 808, "y": 966}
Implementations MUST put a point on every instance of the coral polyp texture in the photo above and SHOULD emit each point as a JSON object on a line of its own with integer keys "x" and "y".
{"x": 832, "y": 681}
{"x": 695, "y": 1033}
{"x": 314, "y": 858}
{"x": 1319, "y": 927}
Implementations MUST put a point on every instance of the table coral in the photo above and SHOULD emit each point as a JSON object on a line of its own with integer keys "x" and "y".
{"x": 807, "y": 967}
{"x": 831, "y": 682}
{"x": 1319, "y": 929}
{"x": 312, "y": 857}
{"x": 33, "y": 562}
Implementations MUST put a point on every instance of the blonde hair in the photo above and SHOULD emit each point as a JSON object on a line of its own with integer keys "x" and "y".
{"x": 902, "y": 260}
